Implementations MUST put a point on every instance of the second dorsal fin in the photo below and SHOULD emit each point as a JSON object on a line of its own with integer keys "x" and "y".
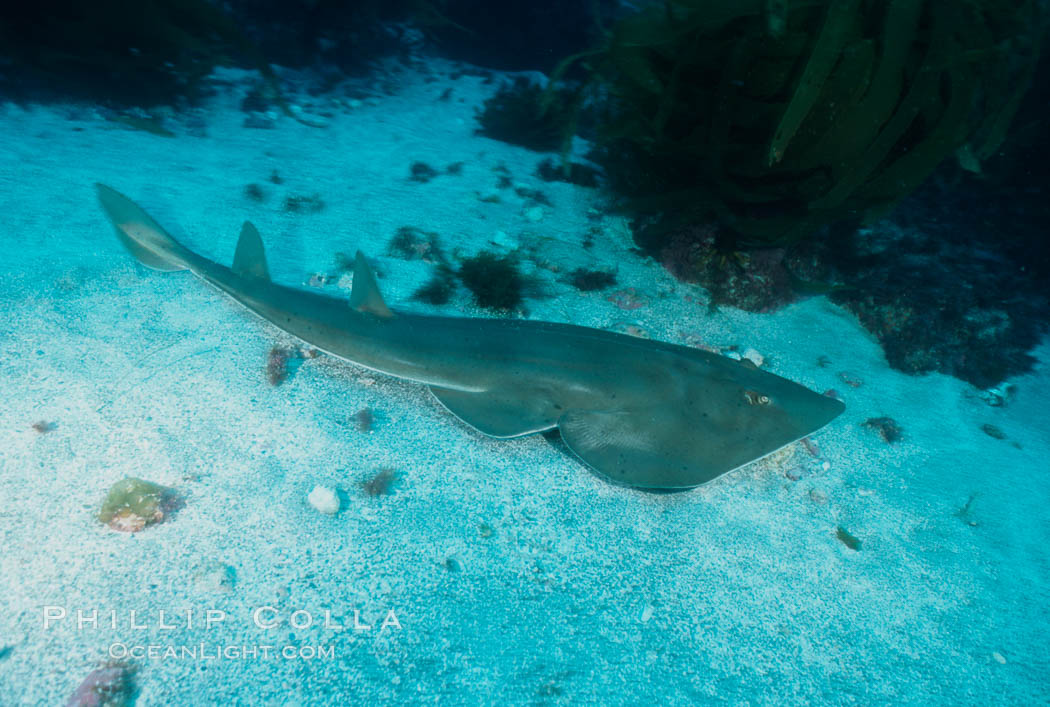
{"x": 249, "y": 260}
{"x": 365, "y": 296}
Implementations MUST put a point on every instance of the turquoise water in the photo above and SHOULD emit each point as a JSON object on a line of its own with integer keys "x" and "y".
{"x": 505, "y": 571}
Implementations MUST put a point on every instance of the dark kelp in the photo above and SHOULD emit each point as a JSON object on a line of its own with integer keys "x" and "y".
{"x": 777, "y": 118}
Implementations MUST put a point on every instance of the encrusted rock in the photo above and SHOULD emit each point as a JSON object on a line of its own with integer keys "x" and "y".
{"x": 133, "y": 504}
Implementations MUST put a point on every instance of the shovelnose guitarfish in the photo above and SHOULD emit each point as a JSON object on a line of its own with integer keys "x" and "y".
{"x": 639, "y": 412}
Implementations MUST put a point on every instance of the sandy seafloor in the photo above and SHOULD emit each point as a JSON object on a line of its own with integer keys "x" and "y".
{"x": 516, "y": 575}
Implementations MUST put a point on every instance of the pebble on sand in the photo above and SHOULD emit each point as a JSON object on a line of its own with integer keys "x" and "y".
{"x": 109, "y": 685}
{"x": 324, "y": 499}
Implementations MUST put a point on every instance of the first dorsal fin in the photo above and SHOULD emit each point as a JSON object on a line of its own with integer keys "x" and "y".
{"x": 365, "y": 295}
{"x": 250, "y": 258}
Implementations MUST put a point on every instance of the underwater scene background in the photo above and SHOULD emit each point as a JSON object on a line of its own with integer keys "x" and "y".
{"x": 198, "y": 507}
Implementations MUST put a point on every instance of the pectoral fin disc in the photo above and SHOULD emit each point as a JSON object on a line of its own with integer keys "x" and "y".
{"x": 499, "y": 413}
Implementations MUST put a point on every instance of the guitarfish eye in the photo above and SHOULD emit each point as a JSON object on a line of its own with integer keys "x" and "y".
{"x": 753, "y": 397}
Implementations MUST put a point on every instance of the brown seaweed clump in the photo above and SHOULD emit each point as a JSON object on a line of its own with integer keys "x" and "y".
{"x": 364, "y": 420}
{"x": 586, "y": 280}
{"x": 277, "y": 364}
{"x": 523, "y": 113}
{"x": 381, "y": 484}
{"x": 494, "y": 280}
{"x": 847, "y": 538}
{"x": 303, "y": 204}
{"x": 887, "y": 428}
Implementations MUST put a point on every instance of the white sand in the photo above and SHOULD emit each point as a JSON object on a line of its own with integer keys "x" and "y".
{"x": 515, "y": 574}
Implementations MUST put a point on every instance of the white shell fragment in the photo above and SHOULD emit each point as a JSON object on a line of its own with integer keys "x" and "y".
{"x": 324, "y": 500}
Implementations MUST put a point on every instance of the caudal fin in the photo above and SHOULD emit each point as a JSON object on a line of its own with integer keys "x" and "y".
{"x": 141, "y": 235}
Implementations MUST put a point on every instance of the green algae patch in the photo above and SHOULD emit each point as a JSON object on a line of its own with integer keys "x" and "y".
{"x": 133, "y": 504}
{"x": 847, "y": 538}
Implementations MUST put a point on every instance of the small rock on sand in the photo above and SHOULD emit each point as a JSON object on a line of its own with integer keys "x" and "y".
{"x": 109, "y": 685}
{"x": 324, "y": 499}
